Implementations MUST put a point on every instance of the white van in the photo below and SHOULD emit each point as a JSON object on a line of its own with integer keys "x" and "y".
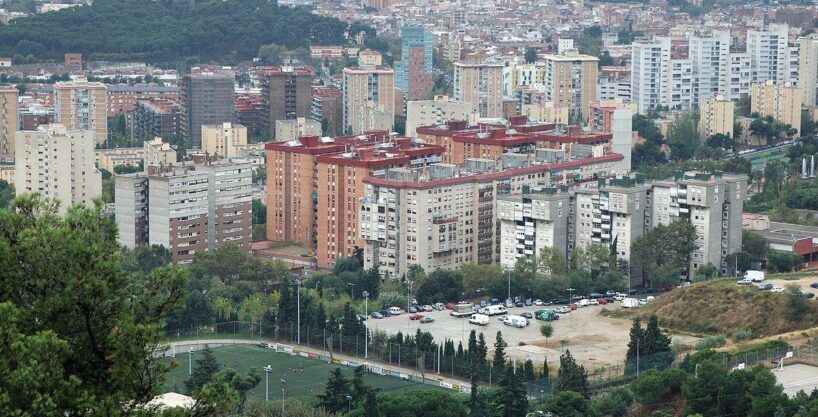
{"x": 755, "y": 276}
{"x": 479, "y": 319}
{"x": 583, "y": 303}
{"x": 630, "y": 303}
{"x": 395, "y": 311}
{"x": 494, "y": 310}
{"x": 516, "y": 321}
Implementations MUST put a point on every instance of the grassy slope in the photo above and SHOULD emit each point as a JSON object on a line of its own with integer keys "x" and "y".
{"x": 724, "y": 307}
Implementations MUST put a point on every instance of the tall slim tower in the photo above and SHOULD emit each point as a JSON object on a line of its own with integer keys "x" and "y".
{"x": 8, "y": 119}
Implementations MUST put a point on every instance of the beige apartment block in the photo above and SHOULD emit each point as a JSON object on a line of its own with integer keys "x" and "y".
{"x": 223, "y": 139}
{"x": 287, "y": 130}
{"x": 547, "y": 112}
{"x": 808, "y": 68}
{"x": 82, "y": 105}
{"x": 59, "y": 164}
{"x": 8, "y": 119}
{"x": 781, "y": 101}
{"x": 366, "y": 86}
{"x": 158, "y": 152}
{"x": 480, "y": 85}
{"x": 107, "y": 159}
{"x": 437, "y": 111}
{"x": 716, "y": 116}
{"x": 571, "y": 81}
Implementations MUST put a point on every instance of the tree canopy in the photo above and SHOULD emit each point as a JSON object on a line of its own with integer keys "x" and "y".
{"x": 168, "y": 31}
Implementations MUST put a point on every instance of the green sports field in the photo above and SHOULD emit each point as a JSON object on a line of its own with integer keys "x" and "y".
{"x": 308, "y": 383}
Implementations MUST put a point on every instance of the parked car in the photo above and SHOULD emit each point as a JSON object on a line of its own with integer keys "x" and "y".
{"x": 576, "y": 297}
{"x": 516, "y": 321}
{"x": 561, "y": 300}
{"x": 573, "y": 306}
{"x": 777, "y": 289}
{"x": 593, "y": 302}
{"x": 562, "y": 310}
{"x": 538, "y": 302}
{"x": 519, "y": 304}
{"x": 633, "y": 291}
{"x": 595, "y": 295}
{"x": 427, "y": 320}
{"x": 807, "y": 295}
{"x": 495, "y": 301}
{"x": 744, "y": 281}
{"x": 610, "y": 293}
{"x": 482, "y": 303}
{"x": 814, "y": 285}
{"x": 547, "y": 303}
{"x": 527, "y": 314}
{"x": 427, "y": 308}
{"x": 413, "y": 310}
{"x": 376, "y": 315}
{"x": 361, "y": 317}
{"x": 528, "y": 302}
{"x": 416, "y": 316}
{"x": 479, "y": 319}
{"x": 385, "y": 313}
{"x": 438, "y": 306}
{"x": 649, "y": 291}
{"x": 395, "y": 311}
{"x": 509, "y": 304}
{"x": 584, "y": 302}
{"x": 756, "y": 276}
{"x": 643, "y": 301}
{"x": 630, "y": 303}
{"x": 603, "y": 301}
{"x": 502, "y": 318}
{"x": 765, "y": 287}
{"x": 619, "y": 296}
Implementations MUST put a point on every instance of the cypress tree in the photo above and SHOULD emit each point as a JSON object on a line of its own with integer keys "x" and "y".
{"x": 499, "y": 360}
{"x": 544, "y": 374}
{"x": 571, "y": 377}
{"x": 512, "y": 399}
{"x": 636, "y": 339}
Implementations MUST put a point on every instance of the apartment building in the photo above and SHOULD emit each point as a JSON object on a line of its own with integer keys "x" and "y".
{"x": 8, "y": 120}
{"x": 808, "y": 68}
{"x": 187, "y": 208}
{"x": 249, "y": 113}
{"x": 82, "y": 105}
{"x": 156, "y": 118}
{"x": 769, "y": 54}
{"x": 287, "y": 130}
{"x": 657, "y": 79}
{"x": 327, "y": 104}
{"x": 614, "y": 83}
{"x": 710, "y": 59}
{"x": 158, "y": 153}
{"x": 716, "y": 115}
{"x": 223, "y": 140}
{"x": 122, "y": 99}
{"x": 781, "y": 101}
{"x": 740, "y": 76}
{"x": 365, "y": 92}
{"x": 571, "y": 81}
{"x": 480, "y": 85}
{"x": 286, "y": 95}
{"x": 446, "y": 215}
{"x": 58, "y": 163}
{"x": 108, "y": 159}
{"x": 207, "y": 98}
{"x": 517, "y": 76}
{"x": 437, "y": 111}
{"x": 414, "y": 72}
{"x": 617, "y": 211}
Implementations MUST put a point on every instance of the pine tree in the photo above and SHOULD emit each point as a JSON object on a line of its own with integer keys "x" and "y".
{"x": 528, "y": 370}
{"x": 571, "y": 377}
{"x": 471, "y": 353}
{"x": 654, "y": 341}
{"x": 544, "y": 374}
{"x": 512, "y": 399}
{"x": 499, "y": 360}
{"x": 476, "y": 403}
{"x": 371, "y": 407}
{"x": 203, "y": 371}
{"x": 334, "y": 397}
{"x": 636, "y": 338}
{"x": 359, "y": 390}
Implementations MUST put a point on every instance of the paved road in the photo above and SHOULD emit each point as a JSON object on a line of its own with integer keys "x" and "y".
{"x": 409, "y": 371}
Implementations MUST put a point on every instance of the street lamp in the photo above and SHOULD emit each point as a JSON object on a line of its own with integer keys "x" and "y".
{"x": 267, "y": 370}
{"x": 366, "y": 328}
{"x": 349, "y": 401}
{"x": 283, "y": 388}
{"x": 190, "y": 362}
{"x": 570, "y": 301}
{"x": 353, "y": 289}
{"x": 509, "y": 287}
{"x": 298, "y": 309}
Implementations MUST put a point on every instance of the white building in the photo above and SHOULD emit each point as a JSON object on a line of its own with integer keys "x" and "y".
{"x": 710, "y": 58}
{"x": 650, "y": 73}
{"x": 287, "y": 130}
{"x": 769, "y": 54}
{"x": 58, "y": 164}
{"x": 437, "y": 111}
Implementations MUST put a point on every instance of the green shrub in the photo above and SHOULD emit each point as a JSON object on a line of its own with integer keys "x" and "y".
{"x": 762, "y": 347}
{"x": 741, "y": 335}
{"x": 711, "y": 342}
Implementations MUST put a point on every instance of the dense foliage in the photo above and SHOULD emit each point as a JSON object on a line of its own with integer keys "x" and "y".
{"x": 167, "y": 31}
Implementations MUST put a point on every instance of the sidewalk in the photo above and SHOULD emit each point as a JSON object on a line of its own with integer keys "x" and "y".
{"x": 415, "y": 374}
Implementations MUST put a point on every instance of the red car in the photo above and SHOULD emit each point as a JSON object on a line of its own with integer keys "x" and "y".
{"x": 603, "y": 301}
{"x": 573, "y": 306}
{"x": 416, "y": 316}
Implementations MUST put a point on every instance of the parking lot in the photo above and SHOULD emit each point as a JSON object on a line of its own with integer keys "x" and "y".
{"x": 594, "y": 340}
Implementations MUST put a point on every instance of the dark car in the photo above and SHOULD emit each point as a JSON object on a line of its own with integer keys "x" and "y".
{"x": 385, "y": 313}
{"x": 808, "y": 295}
{"x": 596, "y": 295}
{"x": 632, "y": 292}
{"x": 547, "y": 303}
{"x": 561, "y": 300}
{"x": 814, "y": 285}
{"x": 765, "y": 287}
{"x": 519, "y": 304}
{"x": 649, "y": 291}
{"x": 528, "y": 302}
{"x": 527, "y": 314}
{"x": 361, "y": 317}
{"x": 376, "y": 315}
{"x": 576, "y": 297}
{"x": 412, "y": 310}
{"x": 427, "y": 320}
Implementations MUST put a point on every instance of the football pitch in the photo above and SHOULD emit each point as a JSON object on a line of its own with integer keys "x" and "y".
{"x": 299, "y": 384}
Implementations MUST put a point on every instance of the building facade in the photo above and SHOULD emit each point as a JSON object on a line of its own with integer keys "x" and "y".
{"x": 222, "y": 140}
{"x": 571, "y": 81}
{"x": 480, "y": 85}
{"x": 780, "y": 101}
{"x": 82, "y": 105}
{"x": 716, "y": 115}
{"x": 413, "y": 72}
{"x": 365, "y": 92}
{"x": 207, "y": 98}
{"x": 286, "y": 95}
{"x": 436, "y": 111}
{"x": 57, "y": 163}
{"x": 156, "y": 118}
{"x": 287, "y": 130}
{"x": 327, "y": 104}
{"x": 8, "y": 120}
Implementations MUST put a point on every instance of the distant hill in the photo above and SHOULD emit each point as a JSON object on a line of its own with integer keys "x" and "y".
{"x": 167, "y": 31}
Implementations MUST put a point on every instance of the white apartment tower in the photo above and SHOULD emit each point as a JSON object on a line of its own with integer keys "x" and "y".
{"x": 57, "y": 163}
{"x": 710, "y": 58}
{"x": 769, "y": 54}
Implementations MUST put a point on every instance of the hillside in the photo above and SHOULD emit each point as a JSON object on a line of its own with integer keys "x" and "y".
{"x": 167, "y": 31}
{"x": 724, "y": 307}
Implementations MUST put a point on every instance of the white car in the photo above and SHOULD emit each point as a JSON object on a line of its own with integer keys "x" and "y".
{"x": 777, "y": 289}
{"x": 538, "y": 302}
{"x": 619, "y": 296}
{"x": 427, "y": 308}
{"x": 744, "y": 281}
{"x": 643, "y": 301}
{"x": 583, "y": 303}
{"x": 593, "y": 302}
